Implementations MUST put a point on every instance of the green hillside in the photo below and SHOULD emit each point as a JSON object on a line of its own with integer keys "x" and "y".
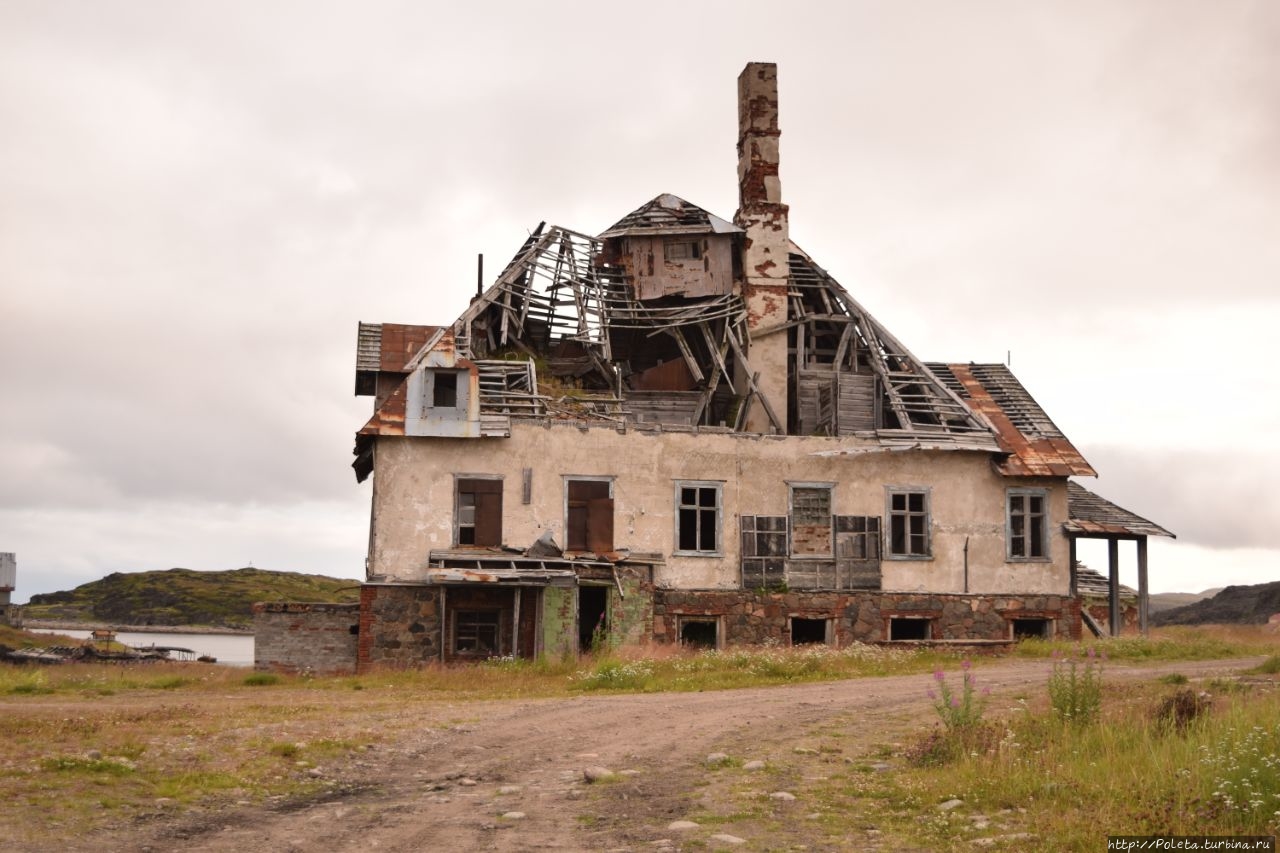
{"x": 185, "y": 597}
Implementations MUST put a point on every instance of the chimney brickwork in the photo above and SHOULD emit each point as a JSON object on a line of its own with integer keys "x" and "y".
{"x": 763, "y": 216}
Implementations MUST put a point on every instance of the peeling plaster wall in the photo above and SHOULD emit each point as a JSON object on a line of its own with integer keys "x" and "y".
{"x": 414, "y": 500}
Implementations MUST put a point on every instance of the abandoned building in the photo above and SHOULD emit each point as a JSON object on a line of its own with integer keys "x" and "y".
{"x": 684, "y": 430}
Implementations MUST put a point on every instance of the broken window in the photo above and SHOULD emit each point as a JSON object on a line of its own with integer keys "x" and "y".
{"x": 589, "y": 515}
{"x": 1028, "y": 523}
{"x": 682, "y": 250}
{"x": 699, "y": 632}
{"x": 698, "y": 517}
{"x": 479, "y": 511}
{"x": 476, "y": 631}
{"x": 811, "y": 519}
{"x": 910, "y": 628}
{"x": 1024, "y": 629}
{"x": 908, "y": 523}
{"x": 444, "y": 389}
{"x": 810, "y": 631}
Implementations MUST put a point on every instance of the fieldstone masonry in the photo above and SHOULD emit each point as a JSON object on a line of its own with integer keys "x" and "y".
{"x": 399, "y": 626}
{"x": 759, "y": 617}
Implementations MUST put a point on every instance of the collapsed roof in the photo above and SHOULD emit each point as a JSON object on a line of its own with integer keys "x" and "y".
{"x": 646, "y": 326}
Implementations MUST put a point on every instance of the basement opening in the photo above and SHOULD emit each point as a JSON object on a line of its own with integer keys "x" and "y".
{"x": 699, "y": 633}
{"x": 1024, "y": 629}
{"x": 809, "y": 631}
{"x": 909, "y": 628}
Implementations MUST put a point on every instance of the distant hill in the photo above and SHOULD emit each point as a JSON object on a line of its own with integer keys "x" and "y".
{"x": 1162, "y": 601}
{"x": 184, "y": 597}
{"x": 1234, "y": 605}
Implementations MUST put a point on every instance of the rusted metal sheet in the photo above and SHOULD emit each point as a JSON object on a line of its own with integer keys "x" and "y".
{"x": 1029, "y": 456}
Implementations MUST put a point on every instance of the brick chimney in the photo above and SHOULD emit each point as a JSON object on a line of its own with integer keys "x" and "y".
{"x": 763, "y": 216}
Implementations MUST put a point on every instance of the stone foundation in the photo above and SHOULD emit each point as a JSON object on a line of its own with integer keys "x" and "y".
{"x": 400, "y": 626}
{"x": 294, "y": 637}
{"x": 753, "y": 617}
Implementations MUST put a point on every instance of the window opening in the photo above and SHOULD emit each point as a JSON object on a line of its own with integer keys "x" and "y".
{"x": 444, "y": 389}
{"x": 811, "y": 521}
{"x": 476, "y": 631}
{"x": 589, "y": 515}
{"x": 479, "y": 512}
{"x": 1025, "y": 629}
{"x": 682, "y": 250}
{"x": 808, "y": 631}
{"x": 909, "y": 628}
{"x": 1027, "y": 522}
{"x": 699, "y": 633}
{"x": 909, "y": 524}
{"x": 698, "y": 518}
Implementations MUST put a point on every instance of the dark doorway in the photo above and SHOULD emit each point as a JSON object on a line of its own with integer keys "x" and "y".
{"x": 593, "y": 606}
{"x": 1024, "y": 629}
{"x": 698, "y": 633}
{"x": 808, "y": 631}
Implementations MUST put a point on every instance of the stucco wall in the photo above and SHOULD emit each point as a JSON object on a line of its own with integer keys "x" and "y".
{"x": 414, "y": 499}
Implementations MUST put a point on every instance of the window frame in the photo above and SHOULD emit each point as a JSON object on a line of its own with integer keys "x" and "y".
{"x": 453, "y": 386}
{"x": 718, "y": 487}
{"x": 887, "y": 551}
{"x": 1024, "y": 495}
{"x": 458, "y": 526}
{"x": 590, "y": 478}
{"x": 476, "y": 612}
{"x": 830, "y": 488}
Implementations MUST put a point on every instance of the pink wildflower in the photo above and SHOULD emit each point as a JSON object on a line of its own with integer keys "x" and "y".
{"x": 966, "y": 664}
{"x": 939, "y": 675}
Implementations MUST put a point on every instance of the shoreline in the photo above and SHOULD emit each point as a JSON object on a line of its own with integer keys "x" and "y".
{"x": 59, "y": 625}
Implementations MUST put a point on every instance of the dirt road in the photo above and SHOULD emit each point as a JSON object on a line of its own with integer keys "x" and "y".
{"x": 508, "y": 776}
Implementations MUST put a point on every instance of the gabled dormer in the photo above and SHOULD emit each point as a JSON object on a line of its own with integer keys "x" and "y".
{"x": 672, "y": 248}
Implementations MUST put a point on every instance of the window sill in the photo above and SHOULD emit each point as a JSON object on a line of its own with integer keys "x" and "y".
{"x": 1028, "y": 559}
{"x": 909, "y": 558}
{"x": 708, "y": 554}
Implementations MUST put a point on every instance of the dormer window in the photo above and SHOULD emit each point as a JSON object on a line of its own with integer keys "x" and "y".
{"x": 682, "y": 250}
{"x": 444, "y": 393}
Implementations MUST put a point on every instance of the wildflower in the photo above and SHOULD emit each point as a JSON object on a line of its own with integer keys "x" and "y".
{"x": 966, "y": 664}
{"x": 938, "y": 675}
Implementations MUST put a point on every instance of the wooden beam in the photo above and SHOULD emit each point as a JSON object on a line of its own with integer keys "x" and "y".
{"x": 752, "y": 379}
{"x": 1113, "y": 590}
{"x": 1144, "y": 599}
{"x": 1073, "y": 585}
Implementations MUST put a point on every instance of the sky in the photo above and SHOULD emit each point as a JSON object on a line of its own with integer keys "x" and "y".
{"x": 199, "y": 201}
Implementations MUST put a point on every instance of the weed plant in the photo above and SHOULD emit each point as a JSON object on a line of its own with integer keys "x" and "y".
{"x": 1075, "y": 688}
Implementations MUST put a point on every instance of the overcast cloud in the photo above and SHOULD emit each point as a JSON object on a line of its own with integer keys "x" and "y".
{"x": 198, "y": 202}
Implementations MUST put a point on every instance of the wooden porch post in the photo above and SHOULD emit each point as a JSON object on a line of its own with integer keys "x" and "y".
{"x": 1143, "y": 600}
{"x": 1072, "y": 589}
{"x": 1113, "y": 591}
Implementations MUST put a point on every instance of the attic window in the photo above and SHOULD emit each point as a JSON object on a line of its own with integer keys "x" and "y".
{"x": 444, "y": 390}
{"x": 682, "y": 250}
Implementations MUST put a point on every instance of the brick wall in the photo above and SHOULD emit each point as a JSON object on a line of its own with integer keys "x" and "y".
{"x": 293, "y": 637}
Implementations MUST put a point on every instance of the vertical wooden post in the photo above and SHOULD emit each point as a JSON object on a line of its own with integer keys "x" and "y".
{"x": 1072, "y": 587}
{"x": 1113, "y": 591}
{"x": 1143, "y": 597}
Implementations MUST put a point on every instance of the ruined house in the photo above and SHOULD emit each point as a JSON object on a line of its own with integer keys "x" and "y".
{"x": 685, "y": 430}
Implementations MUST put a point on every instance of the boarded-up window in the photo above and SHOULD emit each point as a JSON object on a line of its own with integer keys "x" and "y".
{"x": 811, "y": 521}
{"x": 589, "y": 515}
{"x": 1027, "y": 521}
{"x": 908, "y": 523}
{"x": 479, "y": 512}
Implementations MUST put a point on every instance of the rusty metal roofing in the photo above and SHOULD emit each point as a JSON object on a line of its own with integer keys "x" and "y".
{"x": 670, "y": 214}
{"x": 1091, "y": 514}
{"x": 1034, "y": 444}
